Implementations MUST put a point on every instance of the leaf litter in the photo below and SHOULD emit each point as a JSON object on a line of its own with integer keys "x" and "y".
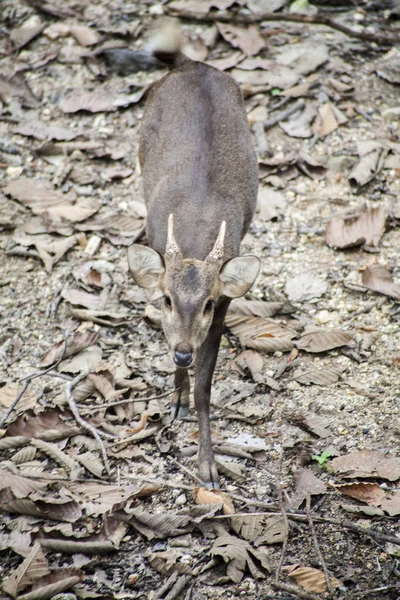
{"x": 286, "y": 65}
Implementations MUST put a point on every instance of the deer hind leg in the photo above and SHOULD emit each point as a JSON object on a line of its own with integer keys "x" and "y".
{"x": 180, "y": 398}
{"x": 205, "y": 365}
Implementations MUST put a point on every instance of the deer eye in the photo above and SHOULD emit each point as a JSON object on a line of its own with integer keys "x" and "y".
{"x": 167, "y": 301}
{"x": 208, "y": 306}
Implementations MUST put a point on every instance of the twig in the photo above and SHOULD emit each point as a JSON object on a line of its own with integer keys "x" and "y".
{"x": 186, "y": 470}
{"x": 27, "y": 381}
{"x": 316, "y": 544}
{"x": 128, "y": 401}
{"x": 241, "y": 19}
{"x": 285, "y": 520}
{"x": 293, "y": 589}
{"x": 284, "y": 114}
{"x": 82, "y": 422}
{"x": 161, "y": 482}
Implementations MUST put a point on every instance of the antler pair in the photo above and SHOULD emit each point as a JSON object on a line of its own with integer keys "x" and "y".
{"x": 215, "y": 256}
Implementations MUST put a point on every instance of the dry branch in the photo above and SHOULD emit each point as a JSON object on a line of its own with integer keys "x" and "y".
{"x": 316, "y": 544}
{"x": 82, "y": 422}
{"x": 241, "y": 19}
{"x": 29, "y": 378}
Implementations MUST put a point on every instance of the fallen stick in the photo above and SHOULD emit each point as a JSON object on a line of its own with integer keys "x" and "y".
{"x": 241, "y": 19}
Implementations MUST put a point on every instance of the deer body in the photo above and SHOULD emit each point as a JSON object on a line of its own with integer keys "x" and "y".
{"x": 200, "y": 179}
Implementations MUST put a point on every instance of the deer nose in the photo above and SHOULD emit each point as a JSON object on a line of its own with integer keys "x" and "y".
{"x": 183, "y": 359}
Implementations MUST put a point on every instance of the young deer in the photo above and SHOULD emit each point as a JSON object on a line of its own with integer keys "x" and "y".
{"x": 200, "y": 178}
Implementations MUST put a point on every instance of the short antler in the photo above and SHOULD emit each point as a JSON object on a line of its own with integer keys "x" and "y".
{"x": 172, "y": 248}
{"x": 217, "y": 253}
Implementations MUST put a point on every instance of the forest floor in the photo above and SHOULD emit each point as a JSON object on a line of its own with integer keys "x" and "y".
{"x": 306, "y": 398}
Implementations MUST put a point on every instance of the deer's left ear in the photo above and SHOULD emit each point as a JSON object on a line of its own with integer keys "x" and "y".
{"x": 146, "y": 265}
{"x": 238, "y": 275}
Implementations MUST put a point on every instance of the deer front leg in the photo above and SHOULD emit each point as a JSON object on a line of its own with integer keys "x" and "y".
{"x": 180, "y": 399}
{"x": 205, "y": 365}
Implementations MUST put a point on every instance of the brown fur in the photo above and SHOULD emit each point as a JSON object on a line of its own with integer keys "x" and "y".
{"x": 198, "y": 163}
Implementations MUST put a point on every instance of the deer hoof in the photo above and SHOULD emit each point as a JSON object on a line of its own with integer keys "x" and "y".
{"x": 183, "y": 412}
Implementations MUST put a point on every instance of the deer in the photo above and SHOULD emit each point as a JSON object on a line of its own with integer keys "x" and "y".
{"x": 200, "y": 184}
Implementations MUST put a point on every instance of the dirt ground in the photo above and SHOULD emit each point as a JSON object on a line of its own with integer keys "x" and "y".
{"x": 64, "y": 273}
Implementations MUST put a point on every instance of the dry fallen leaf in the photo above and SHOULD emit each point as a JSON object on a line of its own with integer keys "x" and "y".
{"x": 239, "y": 554}
{"x": 270, "y": 204}
{"x": 205, "y": 496}
{"x": 322, "y": 340}
{"x": 305, "y": 287}
{"x": 370, "y": 493}
{"x": 378, "y": 278}
{"x": 325, "y": 376}
{"x": 391, "y": 504}
{"x": 329, "y": 118}
{"x": 247, "y": 39}
{"x": 169, "y": 562}
{"x": 99, "y": 101}
{"x": 42, "y": 131}
{"x": 75, "y": 343}
{"x": 33, "y": 567}
{"x": 261, "y": 334}
{"x": 316, "y": 424}
{"x": 306, "y": 483}
{"x": 255, "y": 308}
{"x": 367, "y": 228}
{"x": 259, "y": 529}
{"x": 251, "y": 360}
{"x": 312, "y": 580}
{"x": 367, "y": 463}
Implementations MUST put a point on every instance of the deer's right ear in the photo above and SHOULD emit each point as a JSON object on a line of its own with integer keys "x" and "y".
{"x": 146, "y": 265}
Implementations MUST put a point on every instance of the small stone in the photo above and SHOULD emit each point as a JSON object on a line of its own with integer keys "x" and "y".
{"x": 181, "y": 499}
{"x": 323, "y": 317}
{"x": 293, "y": 385}
{"x": 391, "y": 114}
{"x": 93, "y": 245}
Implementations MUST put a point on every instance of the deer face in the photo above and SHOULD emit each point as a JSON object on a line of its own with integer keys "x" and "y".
{"x": 191, "y": 289}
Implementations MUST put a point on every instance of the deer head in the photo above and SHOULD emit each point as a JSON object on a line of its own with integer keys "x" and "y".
{"x": 191, "y": 288}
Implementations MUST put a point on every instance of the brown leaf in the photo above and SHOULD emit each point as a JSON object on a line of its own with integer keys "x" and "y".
{"x": 251, "y": 360}
{"x": 75, "y": 343}
{"x": 367, "y": 463}
{"x": 378, "y": 278}
{"x": 226, "y": 62}
{"x": 86, "y": 361}
{"x": 230, "y": 469}
{"x": 42, "y": 199}
{"x": 52, "y": 250}
{"x": 161, "y": 525}
{"x": 372, "y": 160}
{"x": 306, "y": 483}
{"x": 54, "y": 509}
{"x": 391, "y": 504}
{"x": 312, "y": 580}
{"x": 21, "y": 486}
{"x": 261, "y": 334}
{"x": 366, "y": 228}
{"x": 277, "y": 75}
{"x": 270, "y": 204}
{"x": 86, "y": 36}
{"x": 324, "y": 376}
{"x": 8, "y": 394}
{"x": 195, "y": 48}
{"x": 255, "y": 308}
{"x": 42, "y": 131}
{"x": 205, "y": 496}
{"x": 311, "y": 422}
{"x": 329, "y": 119}
{"x": 55, "y": 583}
{"x": 260, "y": 529}
{"x": 321, "y": 340}
{"x": 50, "y": 424}
{"x": 237, "y": 554}
{"x": 168, "y": 562}
{"x": 33, "y": 567}
{"x": 21, "y": 36}
{"x": 246, "y": 39}
{"x": 370, "y": 493}
{"x": 99, "y": 101}
{"x": 305, "y": 286}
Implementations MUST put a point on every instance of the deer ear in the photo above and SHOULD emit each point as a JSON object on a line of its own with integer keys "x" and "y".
{"x": 238, "y": 275}
{"x": 146, "y": 265}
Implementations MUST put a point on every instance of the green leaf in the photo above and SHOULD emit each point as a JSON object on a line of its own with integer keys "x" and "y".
{"x": 275, "y": 92}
